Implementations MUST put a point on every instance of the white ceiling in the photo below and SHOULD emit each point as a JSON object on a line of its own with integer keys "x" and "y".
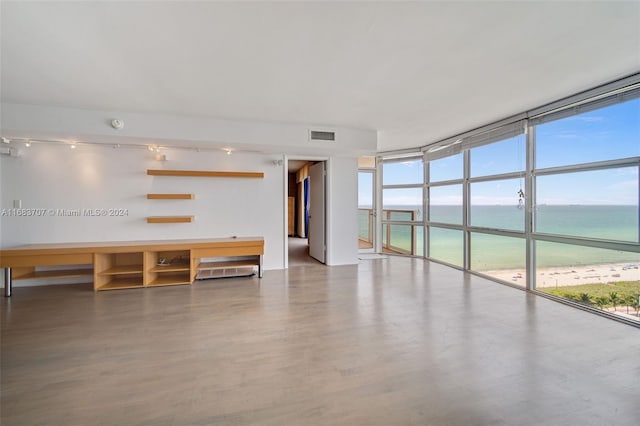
{"x": 416, "y": 72}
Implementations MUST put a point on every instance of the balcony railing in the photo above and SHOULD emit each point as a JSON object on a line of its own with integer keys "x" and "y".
{"x": 397, "y": 239}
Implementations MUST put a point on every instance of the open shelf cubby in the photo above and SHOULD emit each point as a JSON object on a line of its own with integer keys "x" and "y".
{"x": 168, "y": 268}
{"x": 33, "y": 274}
{"x": 118, "y": 270}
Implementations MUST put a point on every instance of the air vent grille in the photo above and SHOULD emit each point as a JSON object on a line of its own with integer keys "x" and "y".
{"x": 319, "y": 135}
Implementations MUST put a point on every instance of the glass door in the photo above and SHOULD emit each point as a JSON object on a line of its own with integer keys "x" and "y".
{"x": 366, "y": 211}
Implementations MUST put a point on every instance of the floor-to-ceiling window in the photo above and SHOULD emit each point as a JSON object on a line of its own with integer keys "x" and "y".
{"x": 403, "y": 206}
{"x": 445, "y": 209}
{"x": 586, "y": 198}
{"x": 549, "y": 201}
{"x": 496, "y": 207}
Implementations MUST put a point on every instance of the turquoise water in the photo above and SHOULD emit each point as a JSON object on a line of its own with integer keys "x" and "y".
{"x": 494, "y": 252}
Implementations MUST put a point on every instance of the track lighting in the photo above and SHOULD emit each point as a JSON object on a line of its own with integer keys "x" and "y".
{"x": 155, "y": 149}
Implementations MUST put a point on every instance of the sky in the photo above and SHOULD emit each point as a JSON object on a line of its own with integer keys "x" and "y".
{"x": 608, "y": 133}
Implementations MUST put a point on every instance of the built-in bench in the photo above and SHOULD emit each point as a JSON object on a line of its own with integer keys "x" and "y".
{"x": 133, "y": 264}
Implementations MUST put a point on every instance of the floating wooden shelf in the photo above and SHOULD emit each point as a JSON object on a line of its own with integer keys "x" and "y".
{"x": 170, "y": 197}
{"x": 204, "y": 173}
{"x": 60, "y": 273}
{"x": 170, "y": 219}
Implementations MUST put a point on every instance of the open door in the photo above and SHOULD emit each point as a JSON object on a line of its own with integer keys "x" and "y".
{"x": 317, "y": 211}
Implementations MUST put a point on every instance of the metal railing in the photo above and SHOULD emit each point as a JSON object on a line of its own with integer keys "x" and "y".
{"x": 365, "y": 238}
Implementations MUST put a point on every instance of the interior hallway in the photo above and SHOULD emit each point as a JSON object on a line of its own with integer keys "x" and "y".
{"x": 387, "y": 342}
{"x": 299, "y": 253}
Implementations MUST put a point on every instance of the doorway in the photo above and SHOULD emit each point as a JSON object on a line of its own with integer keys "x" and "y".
{"x": 306, "y": 215}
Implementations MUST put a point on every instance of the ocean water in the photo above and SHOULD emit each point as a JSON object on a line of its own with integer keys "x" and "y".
{"x": 490, "y": 252}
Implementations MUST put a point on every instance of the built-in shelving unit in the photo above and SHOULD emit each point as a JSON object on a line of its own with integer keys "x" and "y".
{"x": 204, "y": 173}
{"x": 170, "y": 219}
{"x": 170, "y": 196}
{"x": 136, "y": 264}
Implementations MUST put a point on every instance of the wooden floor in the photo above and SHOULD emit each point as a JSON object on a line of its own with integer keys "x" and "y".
{"x": 390, "y": 342}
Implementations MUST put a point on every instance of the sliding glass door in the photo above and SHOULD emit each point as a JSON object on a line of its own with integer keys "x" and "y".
{"x": 366, "y": 210}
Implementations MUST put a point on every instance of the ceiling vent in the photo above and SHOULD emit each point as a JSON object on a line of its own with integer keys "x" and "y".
{"x": 322, "y": 136}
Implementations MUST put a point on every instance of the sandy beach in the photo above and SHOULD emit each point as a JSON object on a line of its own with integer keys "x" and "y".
{"x": 573, "y": 275}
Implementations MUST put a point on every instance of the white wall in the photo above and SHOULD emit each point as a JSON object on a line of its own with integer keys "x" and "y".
{"x": 342, "y": 211}
{"x": 52, "y": 176}
{"x": 56, "y": 177}
{"x": 46, "y": 122}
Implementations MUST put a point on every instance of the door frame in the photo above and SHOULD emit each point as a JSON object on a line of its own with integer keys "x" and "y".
{"x": 285, "y": 207}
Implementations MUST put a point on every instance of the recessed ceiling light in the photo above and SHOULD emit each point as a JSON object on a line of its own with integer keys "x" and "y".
{"x": 27, "y": 143}
{"x": 72, "y": 146}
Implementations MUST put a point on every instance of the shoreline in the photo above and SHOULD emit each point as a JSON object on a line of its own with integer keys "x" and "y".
{"x": 562, "y": 276}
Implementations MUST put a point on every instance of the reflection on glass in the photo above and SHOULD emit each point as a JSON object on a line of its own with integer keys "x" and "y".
{"x": 365, "y": 228}
{"x": 402, "y": 204}
{"x": 505, "y": 156}
{"x": 445, "y": 204}
{"x": 385, "y": 234}
{"x": 365, "y": 189}
{"x": 497, "y": 204}
{"x": 604, "y": 279}
{"x": 402, "y": 172}
{"x": 403, "y": 239}
{"x": 595, "y": 204}
{"x": 446, "y": 245}
{"x": 499, "y": 257}
{"x": 447, "y": 168}
{"x": 603, "y": 134}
